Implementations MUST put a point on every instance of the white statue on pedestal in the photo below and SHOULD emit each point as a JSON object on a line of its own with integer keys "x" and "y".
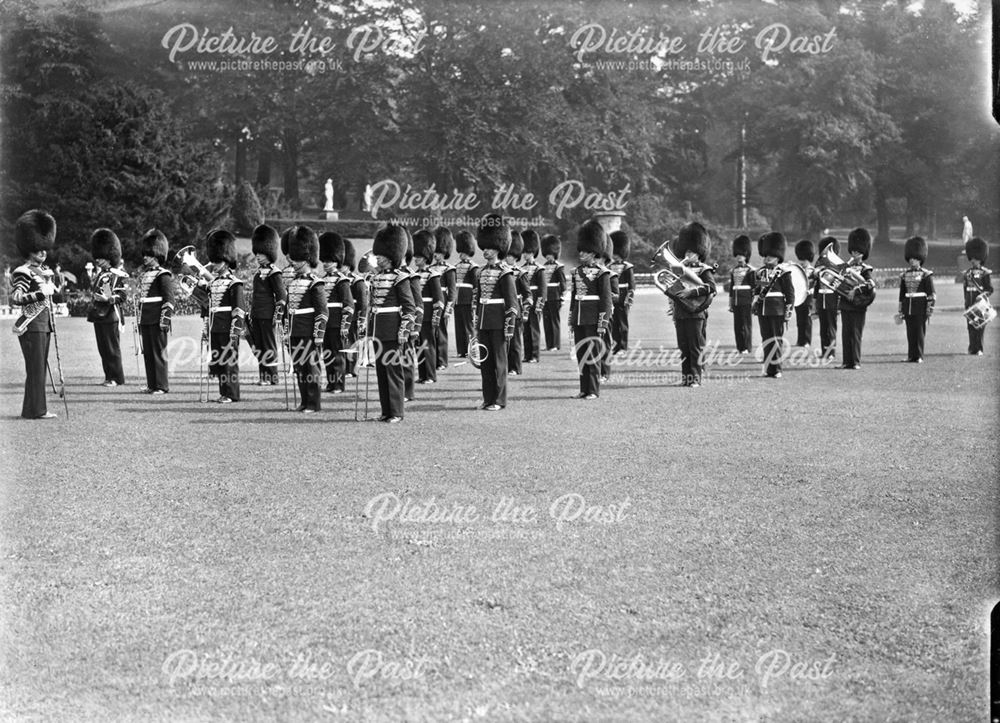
{"x": 368, "y": 197}
{"x": 329, "y": 195}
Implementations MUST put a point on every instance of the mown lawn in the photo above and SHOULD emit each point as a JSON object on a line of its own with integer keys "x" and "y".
{"x": 169, "y": 560}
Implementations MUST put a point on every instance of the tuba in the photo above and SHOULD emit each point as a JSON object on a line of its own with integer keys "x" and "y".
{"x": 676, "y": 278}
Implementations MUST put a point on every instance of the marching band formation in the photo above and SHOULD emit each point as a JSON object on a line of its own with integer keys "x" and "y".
{"x": 330, "y": 314}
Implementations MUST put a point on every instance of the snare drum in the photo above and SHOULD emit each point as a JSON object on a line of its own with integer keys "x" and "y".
{"x": 980, "y": 314}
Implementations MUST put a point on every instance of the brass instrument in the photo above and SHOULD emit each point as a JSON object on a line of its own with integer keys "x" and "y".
{"x": 189, "y": 283}
{"x": 676, "y": 278}
{"x": 980, "y": 314}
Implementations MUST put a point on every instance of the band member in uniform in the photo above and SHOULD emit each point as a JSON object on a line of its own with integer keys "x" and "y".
{"x": 32, "y": 290}
{"x": 339, "y": 309}
{"x": 466, "y": 272}
{"x": 976, "y": 285}
{"x": 605, "y": 261}
{"x": 515, "y": 347}
{"x": 495, "y": 310}
{"x": 444, "y": 245}
{"x": 432, "y": 300}
{"x": 393, "y": 314}
{"x": 590, "y": 307}
{"x": 156, "y": 309}
{"x": 825, "y": 299}
{"x": 267, "y": 304}
{"x": 916, "y": 297}
{"x": 774, "y": 299}
{"x": 359, "y": 292}
{"x": 853, "y": 310}
{"x": 555, "y": 284}
{"x": 535, "y": 276}
{"x": 225, "y": 315}
{"x": 805, "y": 254}
{"x": 109, "y": 289}
{"x": 626, "y": 290}
{"x": 693, "y": 244}
{"x": 741, "y": 294}
{"x": 307, "y": 316}
{"x": 409, "y": 350}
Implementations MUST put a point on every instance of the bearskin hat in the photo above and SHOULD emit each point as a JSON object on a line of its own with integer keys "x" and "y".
{"x": 516, "y": 247}
{"x": 804, "y": 250}
{"x": 859, "y": 240}
{"x": 493, "y": 233}
{"x": 551, "y": 246}
{"x": 694, "y": 237}
{"x": 391, "y": 242}
{"x": 303, "y": 245}
{"x": 220, "y": 247}
{"x": 591, "y": 237}
{"x": 531, "y": 242}
{"x": 620, "y": 244}
{"x": 772, "y": 244}
{"x": 331, "y": 247}
{"x": 35, "y": 231}
{"x": 154, "y": 243}
{"x": 976, "y": 249}
{"x": 444, "y": 242}
{"x": 264, "y": 240}
{"x": 915, "y": 248}
{"x": 742, "y": 246}
{"x": 465, "y": 243}
{"x": 285, "y": 236}
{"x": 829, "y": 241}
{"x": 104, "y": 244}
{"x": 424, "y": 245}
{"x": 365, "y": 264}
{"x": 350, "y": 255}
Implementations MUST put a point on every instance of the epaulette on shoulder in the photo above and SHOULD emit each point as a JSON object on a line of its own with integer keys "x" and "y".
{"x": 23, "y": 269}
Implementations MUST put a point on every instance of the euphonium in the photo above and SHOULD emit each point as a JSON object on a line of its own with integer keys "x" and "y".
{"x": 678, "y": 277}
{"x": 188, "y": 282}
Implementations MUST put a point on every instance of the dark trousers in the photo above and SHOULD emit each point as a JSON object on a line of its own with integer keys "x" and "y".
{"x": 427, "y": 353}
{"x": 335, "y": 361}
{"x": 463, "y": 329}
{"x": 35, "y": 349}
{"x": 853, "y": 326}
{"x": 264, "y": 343}
{"x": 493, "y": 369}
{"x": 154, "y": 354}
{"x": 619, "y": 328}
{"x": 441, "y": 339}
{"x": 975, "y": 338}
{"x": 532, "y": 336}
{"x": 515, "y": 348}
{"x": 804, "y": 325}
{"x": 408, "y": 358}
{"x": 916, "y": 330}
{"x": 589, "y": 352}
{"x": 743, "y": 327}
{"x": 607, "y": 352}
{"x": 224, "y": 363}
{"x": 772, "y": 332}
{"x": 551, "y": 322}
{"x": 308, "y": 370}
{"x": 109, "y": 346}
{"x": 691, "y": 342}
{"x": 391, "y": 364}
{"x": 828, "y": 332}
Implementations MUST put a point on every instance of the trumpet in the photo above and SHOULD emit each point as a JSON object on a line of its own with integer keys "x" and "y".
{"x": 676, "y": 278}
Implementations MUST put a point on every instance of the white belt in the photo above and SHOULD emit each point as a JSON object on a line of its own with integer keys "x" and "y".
{"x": 827, "y": 291}
{"x": 918, "y": 293}
{"x": 216, "y": 309}
{"x": 465, "y": 286}
{"x": 741, "y": 287}
{"x": 774, "y": 293}
{"x": 492, "y": 301}
{"x": 150, "y": 299}
{"x": 533, "y": 288}
{"x": 334, "y": 305}
{"x": 303, "y": 311}
{"x": 589, "y": 297}
{"x": 386, "y": 309}
{"x": 427, "y": 299}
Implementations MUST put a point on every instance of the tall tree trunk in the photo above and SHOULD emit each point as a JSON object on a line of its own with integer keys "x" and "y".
{"x": 932, "y": 220}
{"x": 290, "y": 167}
{"x": 881, "y": 215}
{"x": 241, "y": 160}
{"x": 263, "y": 167}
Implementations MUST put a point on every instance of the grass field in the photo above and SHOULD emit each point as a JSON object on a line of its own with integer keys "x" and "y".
{"x": 820, "y": 547}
